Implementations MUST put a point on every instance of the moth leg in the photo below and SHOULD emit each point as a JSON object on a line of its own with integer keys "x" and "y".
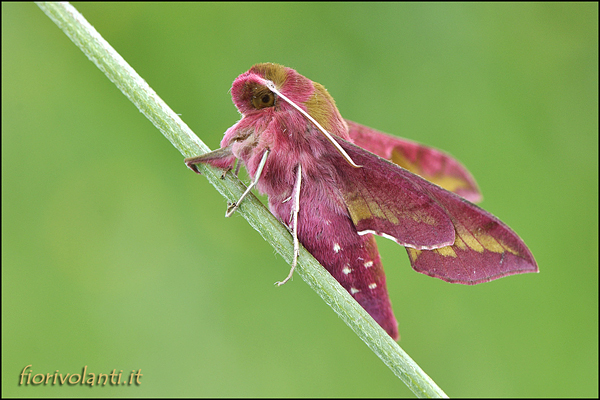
{"x": 218, "y": 154}
{"x": 238, "y": 164}
{"x": 295, "y": 211}
{"x": 232, "y": 207}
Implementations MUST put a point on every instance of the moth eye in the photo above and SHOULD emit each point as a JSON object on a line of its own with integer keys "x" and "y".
{"x": 263, "y": 100}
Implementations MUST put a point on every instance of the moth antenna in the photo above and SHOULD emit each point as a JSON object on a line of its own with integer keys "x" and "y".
{"x": 295, "y": 211}
{"x": 231, "y": 209}
{"x": 339, "y": 148}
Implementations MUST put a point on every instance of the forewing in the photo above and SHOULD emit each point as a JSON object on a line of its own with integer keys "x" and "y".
{"x": 391, "y": 201}
{"x": 485, "y": 248}
{"x": 427, "y": 162}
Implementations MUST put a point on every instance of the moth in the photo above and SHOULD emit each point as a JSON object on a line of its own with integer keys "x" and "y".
{"x": 335, "y": 183}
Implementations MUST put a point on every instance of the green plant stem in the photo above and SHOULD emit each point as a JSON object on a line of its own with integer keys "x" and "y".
{"x": 179, "y": 134}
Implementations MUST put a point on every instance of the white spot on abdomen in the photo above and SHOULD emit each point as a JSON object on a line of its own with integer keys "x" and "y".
{"x": 354, "y": 290}
{"x": 372, "y": 286}
{"x": 368, "y": 264}
{"x": 346, "y": 270}
{"x": 336, "y": 247}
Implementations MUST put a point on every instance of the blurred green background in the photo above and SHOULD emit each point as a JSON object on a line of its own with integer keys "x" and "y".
{"x": 115, "y": 256}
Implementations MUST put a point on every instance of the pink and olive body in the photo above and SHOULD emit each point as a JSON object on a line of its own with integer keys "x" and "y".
{"x": 340, "y": 205}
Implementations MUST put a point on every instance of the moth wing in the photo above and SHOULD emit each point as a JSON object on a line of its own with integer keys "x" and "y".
{"x": 427, "y": 162}
{"x": 389, "y": 201}
{"x": 483, "y": 249}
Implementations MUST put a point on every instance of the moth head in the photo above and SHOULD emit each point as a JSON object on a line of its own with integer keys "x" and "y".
{"x": 268, "y": 88}
{"x": 251, "y": 90}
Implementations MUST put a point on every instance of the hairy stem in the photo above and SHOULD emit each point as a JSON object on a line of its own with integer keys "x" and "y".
{"x": 179, "y": 134}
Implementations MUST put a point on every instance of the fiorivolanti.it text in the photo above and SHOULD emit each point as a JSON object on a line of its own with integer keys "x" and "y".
{"x": 28, "y": 377}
